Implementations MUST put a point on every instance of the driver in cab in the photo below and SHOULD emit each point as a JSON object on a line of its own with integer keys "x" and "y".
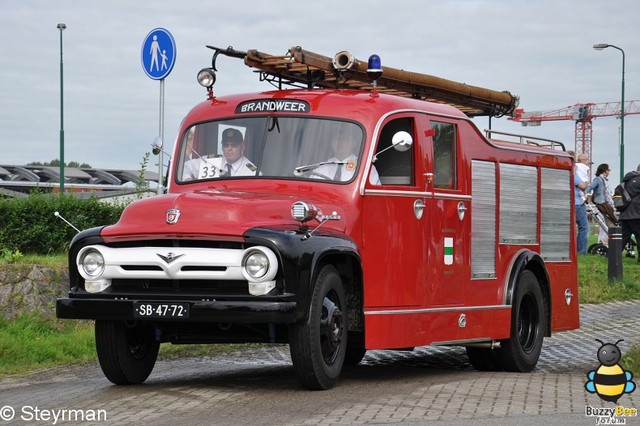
{"x": 231, "y": 164}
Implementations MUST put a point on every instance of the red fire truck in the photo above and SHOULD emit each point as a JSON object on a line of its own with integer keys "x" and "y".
{"x": 358, "y": 208}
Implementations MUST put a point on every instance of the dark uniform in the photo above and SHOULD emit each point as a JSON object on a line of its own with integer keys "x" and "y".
{"x": 630, "y": 216}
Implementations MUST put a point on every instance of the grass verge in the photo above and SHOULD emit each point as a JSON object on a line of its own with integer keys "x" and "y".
{"x": 594, "y": 286}
{"x": 30, "y": 342}
{"x": 631, "y": 361}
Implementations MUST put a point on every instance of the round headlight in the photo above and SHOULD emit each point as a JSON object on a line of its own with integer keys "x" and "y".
{"x": 256, "y": 264}
{"x": 92, "y": 263}
{"x": 259, "y": 265}
{"x": 206, "y": 77}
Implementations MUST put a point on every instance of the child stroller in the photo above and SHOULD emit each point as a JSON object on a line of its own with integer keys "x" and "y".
{"x": 600, "y": 247}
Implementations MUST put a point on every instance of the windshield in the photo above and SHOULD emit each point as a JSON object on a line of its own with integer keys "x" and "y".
{"x": 271, "y": 147}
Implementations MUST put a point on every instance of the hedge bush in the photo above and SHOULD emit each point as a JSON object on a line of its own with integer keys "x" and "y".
{"x": 30, "y": 226}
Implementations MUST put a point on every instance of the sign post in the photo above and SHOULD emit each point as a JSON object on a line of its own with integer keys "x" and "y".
{"x": 158, "y": 59}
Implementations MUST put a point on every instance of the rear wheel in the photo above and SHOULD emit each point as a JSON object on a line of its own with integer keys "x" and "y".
{"x": 520, "y": 353}
{"x": 319, "y": 344}
{"x": 127, "y": 354}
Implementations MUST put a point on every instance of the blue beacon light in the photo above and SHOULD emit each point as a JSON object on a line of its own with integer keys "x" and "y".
{"x": 374, "y": 71}
{"x": 374, "y": 67}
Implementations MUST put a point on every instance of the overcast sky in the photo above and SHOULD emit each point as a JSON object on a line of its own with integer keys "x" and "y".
{"x": 539, "y": 50}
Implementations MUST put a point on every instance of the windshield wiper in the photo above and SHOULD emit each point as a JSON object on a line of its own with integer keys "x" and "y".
{"x": 301, "y": 169}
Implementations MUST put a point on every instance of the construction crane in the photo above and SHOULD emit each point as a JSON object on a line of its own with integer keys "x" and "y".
{"x": 582, "y": 114}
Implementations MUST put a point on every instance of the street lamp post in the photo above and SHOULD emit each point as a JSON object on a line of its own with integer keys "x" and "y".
{"x": 61, "y": 27}
{"x": 600, "y": 46}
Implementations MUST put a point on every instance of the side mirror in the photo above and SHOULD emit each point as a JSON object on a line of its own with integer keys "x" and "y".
{"x": 157, "y": 145}
{"x": 402, "y": 141}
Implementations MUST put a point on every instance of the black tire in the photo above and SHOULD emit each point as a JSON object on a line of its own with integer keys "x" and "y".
{"x": 355, "y": 349}
{"x": 598, "y": 248}
{"x": 520, "y": 353}
{"x": 318, "y": 345}
{"x": 484, "y": 359}
{"x": 126, "y": 354}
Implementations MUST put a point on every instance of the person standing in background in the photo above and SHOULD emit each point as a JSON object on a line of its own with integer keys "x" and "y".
{"x": 583, "y": 167}
{"x": 602, "y": 199}
{"x": 581, "y": 213}
{"x": 630, "y": 216}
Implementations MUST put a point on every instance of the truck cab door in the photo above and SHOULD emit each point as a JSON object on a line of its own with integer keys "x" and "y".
{"x": 394, "y": 259}
{"x": 449, "y": 218}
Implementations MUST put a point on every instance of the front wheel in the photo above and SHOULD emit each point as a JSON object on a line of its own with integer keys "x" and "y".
{"x": 127, "y": 354}
{"x": 318, "y": 345}
{"x": 520, "y": 353}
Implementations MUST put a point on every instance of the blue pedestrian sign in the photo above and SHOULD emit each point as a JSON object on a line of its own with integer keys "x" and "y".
{"x": 158, "y": 53}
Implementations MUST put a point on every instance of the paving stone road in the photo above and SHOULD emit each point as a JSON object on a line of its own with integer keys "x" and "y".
{"x": 430, "y": 385}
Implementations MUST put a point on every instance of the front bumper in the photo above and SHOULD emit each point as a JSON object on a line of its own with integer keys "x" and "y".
{"x": 200, "y": 311}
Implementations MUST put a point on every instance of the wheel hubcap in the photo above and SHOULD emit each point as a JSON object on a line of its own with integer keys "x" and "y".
{"x": 138, "y": 343}
{"x": 528, "y": 323}
{"x": 331, "y": 329}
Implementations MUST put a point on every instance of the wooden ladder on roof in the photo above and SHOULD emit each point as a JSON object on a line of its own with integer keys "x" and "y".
{"x": 299, "y": 67}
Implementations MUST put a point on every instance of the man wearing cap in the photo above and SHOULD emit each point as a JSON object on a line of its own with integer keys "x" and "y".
{"x": 231, "y": 164}
{"x": 234, "y": 162}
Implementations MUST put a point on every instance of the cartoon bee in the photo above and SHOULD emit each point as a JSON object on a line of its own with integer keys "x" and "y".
{"x": 609, "y": 381}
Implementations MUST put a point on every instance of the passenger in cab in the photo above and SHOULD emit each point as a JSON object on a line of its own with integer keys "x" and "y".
{"x": 345, "y": 162}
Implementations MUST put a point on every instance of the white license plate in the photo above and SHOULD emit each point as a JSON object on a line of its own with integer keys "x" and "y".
{"x": 160, "y": 310}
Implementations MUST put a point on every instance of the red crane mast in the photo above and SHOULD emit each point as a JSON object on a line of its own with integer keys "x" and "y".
{"x": 582, "y": 114}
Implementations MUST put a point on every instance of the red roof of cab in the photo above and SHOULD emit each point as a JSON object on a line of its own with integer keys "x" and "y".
{"x": 350, "y": 104}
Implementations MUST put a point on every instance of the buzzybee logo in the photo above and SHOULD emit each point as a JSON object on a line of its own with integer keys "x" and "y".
{"x": 610, "y": 381}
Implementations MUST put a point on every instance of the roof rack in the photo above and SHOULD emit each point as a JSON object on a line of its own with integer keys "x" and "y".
{"x": 299, "y": 67}
{"x": 525, "y": 140}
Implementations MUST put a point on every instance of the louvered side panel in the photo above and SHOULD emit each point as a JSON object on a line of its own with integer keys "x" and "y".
{"x": 518, "y": 204}
{"x": 483, "y": 219}
{"x": 555, "y": 226}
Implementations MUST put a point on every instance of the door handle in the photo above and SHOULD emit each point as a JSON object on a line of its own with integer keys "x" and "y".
{"x": 418, "y": 208}
{"x": 461, "y": 210}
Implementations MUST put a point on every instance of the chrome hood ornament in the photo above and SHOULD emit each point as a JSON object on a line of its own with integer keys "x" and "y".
{"x": 170, "y": 257}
